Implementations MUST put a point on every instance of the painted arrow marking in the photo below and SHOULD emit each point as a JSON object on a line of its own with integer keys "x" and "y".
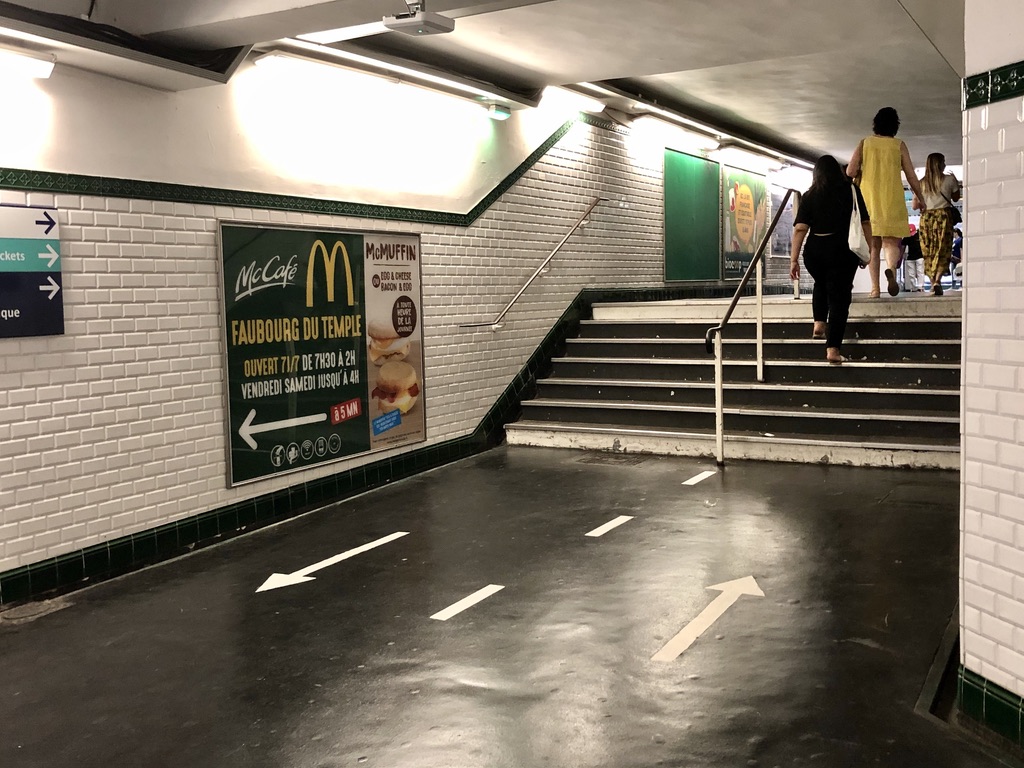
{"x": 47, "y": 221}
{"x": 53, "y": 288}
{"x": 52, "y": 256}
{"x": 248, "y": 429}
{"x": 278, "y": 580}
{"x": 731, "y": 591}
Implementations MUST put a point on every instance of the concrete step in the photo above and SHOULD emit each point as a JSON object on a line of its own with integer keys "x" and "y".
{"x": 867, "y": 399}
{"x": 834, "y": 421}
{"x": 861, "y": 373}
{"x": 790, "y": 448}
{"x": 930, "y": 328}
{"x": 876, "y": 350}
{"x": 776, "y": 307}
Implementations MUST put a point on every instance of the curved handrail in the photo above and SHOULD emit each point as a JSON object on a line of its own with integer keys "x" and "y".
{"x": 494, "y": 324}
{"x": 713, "y": 338}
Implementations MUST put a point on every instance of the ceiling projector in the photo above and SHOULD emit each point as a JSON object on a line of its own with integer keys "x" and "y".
{"x": 419, "y": 23}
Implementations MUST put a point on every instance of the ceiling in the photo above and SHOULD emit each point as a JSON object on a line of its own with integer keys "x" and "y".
{"x": 803, "y": 76}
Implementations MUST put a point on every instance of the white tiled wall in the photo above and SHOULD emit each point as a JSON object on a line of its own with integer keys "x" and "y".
{"x": 992, "y": 585}
{"x": 118, "y": 426}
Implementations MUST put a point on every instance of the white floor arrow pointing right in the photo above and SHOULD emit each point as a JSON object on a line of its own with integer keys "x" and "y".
{"x": 731, "y": 591}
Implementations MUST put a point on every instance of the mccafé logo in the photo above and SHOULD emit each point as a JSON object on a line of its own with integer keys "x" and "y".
{"x": 329, "y": 262}
{"x": 275, "y": 272}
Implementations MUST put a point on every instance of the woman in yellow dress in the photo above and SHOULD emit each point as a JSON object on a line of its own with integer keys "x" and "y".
{"x": 879, "y": 159}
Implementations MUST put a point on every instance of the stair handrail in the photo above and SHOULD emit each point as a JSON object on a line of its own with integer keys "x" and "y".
{"x": 713, "y": 337}
{"x": 496, "y": 322}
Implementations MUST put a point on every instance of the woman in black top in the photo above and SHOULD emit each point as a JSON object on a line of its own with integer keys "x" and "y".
{"x": 824, "y": 212}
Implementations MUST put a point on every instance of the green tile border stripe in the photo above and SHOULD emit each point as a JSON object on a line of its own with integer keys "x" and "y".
{"x": 991, "y": 706}
{"x": 127, "y": 553}
{"x": 75, "y": 184}
{"x": 995, "y": 85}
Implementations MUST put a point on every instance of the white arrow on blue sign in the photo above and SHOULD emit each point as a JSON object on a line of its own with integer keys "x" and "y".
{"x": 30, "y": 272}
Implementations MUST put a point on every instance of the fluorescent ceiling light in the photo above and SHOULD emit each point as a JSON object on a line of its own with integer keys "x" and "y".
{"x": 345, "y": 33}
{"x": 749, "y": 161}
{"x": 644, "y": 107}
{"x": 337, "y": 57}
{"x": 577, "y": 102}
{"x": 671, "y": 135}
{"x": 14, "y": 64}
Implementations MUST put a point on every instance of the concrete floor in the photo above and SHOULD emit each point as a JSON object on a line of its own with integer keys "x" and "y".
{"x": 186, "y": 665}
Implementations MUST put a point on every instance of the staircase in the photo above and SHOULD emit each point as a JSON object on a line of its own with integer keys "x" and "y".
{"x": 637, "y": 379}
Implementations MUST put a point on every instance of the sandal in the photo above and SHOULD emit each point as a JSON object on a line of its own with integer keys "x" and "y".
{"x": 819, "y": 331}
{"x": 874, "y": 294}
{"x": 894, "y": 287}
{"x": 838, "y": 361}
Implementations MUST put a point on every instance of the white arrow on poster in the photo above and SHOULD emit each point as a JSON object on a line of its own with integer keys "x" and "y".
{"x": 50, "y": 255}
{"x": 51, "y": 286}
{"x": 31, "y": 295}
{"x": 248, "y": 429}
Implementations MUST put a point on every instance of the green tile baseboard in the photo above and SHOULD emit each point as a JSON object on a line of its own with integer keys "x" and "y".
{"x": 127, "y": 553}
{"x": 993, "y": 707}
{"x": 1006, "y": 82}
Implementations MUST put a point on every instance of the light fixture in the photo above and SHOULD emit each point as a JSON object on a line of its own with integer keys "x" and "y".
{"x": 671, "y": 135}
{"x": 499, "y": 112}
{"x": 419, "y": 21}
{"x": 571, "y": 100}
{"x": 643, "y": 106}
{"x": 739, "y": 157}
{"x": 341, "y": 34}
{"x": 16, "y": 64}
{"x": 386, "y": 67}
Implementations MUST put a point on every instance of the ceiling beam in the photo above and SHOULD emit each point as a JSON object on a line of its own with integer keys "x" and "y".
{"x": 201, "y": 23}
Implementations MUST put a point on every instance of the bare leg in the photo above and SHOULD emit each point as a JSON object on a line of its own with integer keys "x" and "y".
{"x": 873, "y": 265}
{"x": 891, "y": 249}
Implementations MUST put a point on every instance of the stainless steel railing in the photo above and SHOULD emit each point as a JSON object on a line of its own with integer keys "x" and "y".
{"x": 495, "y": 324}
{"x": 713, "y": 338}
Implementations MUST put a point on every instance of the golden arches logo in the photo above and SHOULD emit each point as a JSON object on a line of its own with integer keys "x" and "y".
{"x": 329, "y": 262}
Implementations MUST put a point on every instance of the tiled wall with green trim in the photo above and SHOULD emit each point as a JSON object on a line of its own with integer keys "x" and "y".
{"x": 991, "y": 706}
{"x": 93, "y": 449}
{"x": 101, "y": 561}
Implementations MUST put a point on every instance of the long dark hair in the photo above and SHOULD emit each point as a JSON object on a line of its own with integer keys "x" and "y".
{"x": 828, "y": 178}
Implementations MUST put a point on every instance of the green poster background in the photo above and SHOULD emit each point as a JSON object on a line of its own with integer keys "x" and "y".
{"x": 296, "y": 349}
{"x": 744, "y": 219}
{"x": 692, "y": 229}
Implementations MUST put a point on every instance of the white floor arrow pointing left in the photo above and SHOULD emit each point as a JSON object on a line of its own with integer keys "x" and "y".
{"x": 298, "y": 577}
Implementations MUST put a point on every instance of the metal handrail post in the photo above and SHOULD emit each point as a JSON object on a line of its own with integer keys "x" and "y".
{"x": 719, "y": 401}
{"x": 760, "y": 320}
{"x": 713, "y": 337}
{"x": 542, "y": 268}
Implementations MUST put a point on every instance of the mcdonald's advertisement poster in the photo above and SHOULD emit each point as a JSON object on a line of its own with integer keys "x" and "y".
{"x": 324, "y": 352}
{"x": 744, "y": 219}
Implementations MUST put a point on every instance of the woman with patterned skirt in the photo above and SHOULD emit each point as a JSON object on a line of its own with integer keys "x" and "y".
{"x": 941, "y": 190}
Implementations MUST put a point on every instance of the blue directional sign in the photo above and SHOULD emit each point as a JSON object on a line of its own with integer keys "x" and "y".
{"x": 31, "y": 301}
